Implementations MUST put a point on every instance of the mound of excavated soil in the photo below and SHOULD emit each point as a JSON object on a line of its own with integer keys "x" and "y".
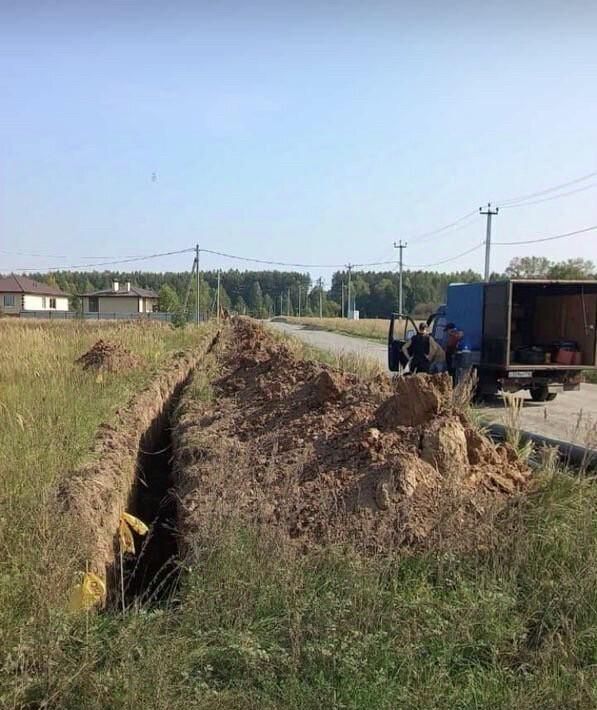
{"x": 108, "y": 357}
{"x": 324, "y": 457}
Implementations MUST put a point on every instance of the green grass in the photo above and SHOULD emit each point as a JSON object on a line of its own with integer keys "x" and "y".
{"x": 256, "y": 625}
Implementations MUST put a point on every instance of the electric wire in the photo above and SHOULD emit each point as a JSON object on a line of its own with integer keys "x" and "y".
{"x": 521, "y": 198}
{"x": 551, "y": 197}
{"x": 445, "y": 227}
{"x": 270, "y": 262}
{"x": 108, "y": 263}
{"x": 445, "y": 261}
{"x": 546, "y": 239}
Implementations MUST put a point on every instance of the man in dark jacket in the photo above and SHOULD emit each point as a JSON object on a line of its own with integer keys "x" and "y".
{"x": 418, "y": 349}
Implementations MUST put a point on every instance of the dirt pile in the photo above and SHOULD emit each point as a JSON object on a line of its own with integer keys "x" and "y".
{"x": 105, "y": 356}
{"x": 325, "y": 457}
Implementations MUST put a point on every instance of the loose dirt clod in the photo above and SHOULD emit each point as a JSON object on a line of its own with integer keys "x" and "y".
{"x": 108, "y": 357}
{"x": 324, "y": 457}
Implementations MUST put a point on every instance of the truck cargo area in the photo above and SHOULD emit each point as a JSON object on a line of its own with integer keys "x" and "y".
{"x": 541, "y": 324}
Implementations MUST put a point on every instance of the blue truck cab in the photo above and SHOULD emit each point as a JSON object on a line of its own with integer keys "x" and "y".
{"x": 520, "y": 334}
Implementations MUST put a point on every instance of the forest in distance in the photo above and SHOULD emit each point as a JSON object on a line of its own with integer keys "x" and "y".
{"x": 269, "y": 293}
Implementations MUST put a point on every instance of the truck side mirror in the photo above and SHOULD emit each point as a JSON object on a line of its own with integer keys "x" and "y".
{"x": 409, "y": 334}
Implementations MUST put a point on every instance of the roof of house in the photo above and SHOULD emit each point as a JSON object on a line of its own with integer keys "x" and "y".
{"x": 134, "y": 291}
{"x": 22, "y": 284}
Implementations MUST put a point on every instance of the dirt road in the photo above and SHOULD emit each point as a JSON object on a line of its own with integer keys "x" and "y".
{"x": 558, "y": 419}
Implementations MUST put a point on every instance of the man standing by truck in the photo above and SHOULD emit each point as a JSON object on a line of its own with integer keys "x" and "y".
{"x": 418, "y": 349}
{"x": 453, "y": 338}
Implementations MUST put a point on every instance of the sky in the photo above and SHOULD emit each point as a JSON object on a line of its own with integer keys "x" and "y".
{"x": 311, "y": 132}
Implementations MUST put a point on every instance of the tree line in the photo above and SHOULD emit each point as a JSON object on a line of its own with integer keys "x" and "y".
{"x": 268, "y": 293}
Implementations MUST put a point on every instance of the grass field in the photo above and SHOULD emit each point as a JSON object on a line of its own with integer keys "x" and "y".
{"x": 254, "y": 624}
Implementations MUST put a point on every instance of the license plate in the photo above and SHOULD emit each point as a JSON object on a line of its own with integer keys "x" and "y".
{"x": 518, "y": 373}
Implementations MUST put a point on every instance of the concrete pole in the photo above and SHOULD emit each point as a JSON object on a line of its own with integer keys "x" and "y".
{"x": 489, "y": 212}
{"x": 401, "y": 247}
{"x": 198, "y": 272}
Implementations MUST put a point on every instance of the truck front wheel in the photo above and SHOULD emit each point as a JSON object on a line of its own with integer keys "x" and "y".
{"x": 541, "y": 393}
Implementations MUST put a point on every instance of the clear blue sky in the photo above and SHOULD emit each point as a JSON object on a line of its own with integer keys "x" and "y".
{"x": 303, "y": 131}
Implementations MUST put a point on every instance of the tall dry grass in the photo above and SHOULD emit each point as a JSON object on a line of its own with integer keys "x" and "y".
{"x": 49, "y": 412}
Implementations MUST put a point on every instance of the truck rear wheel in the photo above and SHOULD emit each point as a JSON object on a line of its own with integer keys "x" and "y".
{"x": 541, "y": 393}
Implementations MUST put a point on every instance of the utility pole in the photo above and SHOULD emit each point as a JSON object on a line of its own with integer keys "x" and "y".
{"x": 299, "y": 300}
{"x": 288, "y": 303}
{"x": 320, "y": 298}
{"x": 489, "y": 212}
{"x": 281, "y": 297}
{"x": 342, "y": 313}
{"x": 218, "y": 299}
{"x": 349, "y": 267}
{"x": 401, "y": 247}
{"x": 198, "y": 272}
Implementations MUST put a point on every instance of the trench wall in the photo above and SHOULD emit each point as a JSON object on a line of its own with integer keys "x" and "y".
{"x": 96, "y": 493}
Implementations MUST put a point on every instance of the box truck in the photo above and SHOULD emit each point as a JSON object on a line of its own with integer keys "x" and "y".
{"x": 520, "y": 334}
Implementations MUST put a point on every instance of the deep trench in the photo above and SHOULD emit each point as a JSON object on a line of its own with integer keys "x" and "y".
{"x": 152, "y": 574}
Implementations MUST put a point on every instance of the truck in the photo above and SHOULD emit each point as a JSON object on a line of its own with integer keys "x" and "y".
{"x": 519, "y": 334}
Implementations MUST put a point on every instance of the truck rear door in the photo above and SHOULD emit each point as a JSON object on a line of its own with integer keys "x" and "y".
{"x": 496, "y": 320}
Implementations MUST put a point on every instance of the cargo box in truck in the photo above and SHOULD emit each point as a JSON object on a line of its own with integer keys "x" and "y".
{"x": 537, "y": 335}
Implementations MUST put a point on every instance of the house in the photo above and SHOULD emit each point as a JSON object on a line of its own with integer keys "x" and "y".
{"x": 19, "y": 293}
{"x": 121, "y": 298}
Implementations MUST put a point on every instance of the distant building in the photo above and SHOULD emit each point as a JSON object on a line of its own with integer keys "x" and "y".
{"x": 18, "y": 294}
{"x": 121, "y": 298}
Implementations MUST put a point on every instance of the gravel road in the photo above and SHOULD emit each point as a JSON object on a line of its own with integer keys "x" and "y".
{"x": 558, "y": 419}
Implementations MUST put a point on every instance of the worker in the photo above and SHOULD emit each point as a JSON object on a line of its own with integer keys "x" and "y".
{"x": 453, "y": 336}
{"x": 418, "y": 349}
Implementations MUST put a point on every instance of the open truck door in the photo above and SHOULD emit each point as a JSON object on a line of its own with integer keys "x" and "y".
{"x": 402, "y": 328}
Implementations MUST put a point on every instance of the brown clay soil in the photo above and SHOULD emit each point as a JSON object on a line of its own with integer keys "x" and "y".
{"x": 105, "y": 356}
{"x": 323, "y": 457}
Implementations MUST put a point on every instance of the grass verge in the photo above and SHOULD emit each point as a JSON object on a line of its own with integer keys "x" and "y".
{"x": 257, "y": 625}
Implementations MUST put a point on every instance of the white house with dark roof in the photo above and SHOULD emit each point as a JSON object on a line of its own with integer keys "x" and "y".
{"x": 121, "y": 298}
{"x": 19, "y": 293}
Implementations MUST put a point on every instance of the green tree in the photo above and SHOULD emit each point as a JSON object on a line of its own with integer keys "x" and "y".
{"x": 255, "y": 299}
{"x": 268, "y": 305}
{"x": 572, "y": 269}
{"x": 240, "y": 306}
{"x": 168, "y": 300}
{"x": 528, "y": 267}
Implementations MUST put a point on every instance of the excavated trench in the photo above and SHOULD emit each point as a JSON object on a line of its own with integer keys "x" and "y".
{"x": 152, "y": 573}
{"x": 129, "y": 470}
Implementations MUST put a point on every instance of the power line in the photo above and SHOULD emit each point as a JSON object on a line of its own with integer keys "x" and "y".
{"x": 552, "y": 197}
{"x": 273, "y": 263}
{"x": 433, "y": 232}
{"x": 107, "y": 263}
{"x": 445, "y": 261}
{"x": 68, "y": 256}
{"x": 520, "y": 198}
{"x": 549, "y": 239}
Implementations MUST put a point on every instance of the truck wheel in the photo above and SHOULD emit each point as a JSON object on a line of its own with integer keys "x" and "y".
{"x": 551, "y": 396}
{"x": 539, "y": 393}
